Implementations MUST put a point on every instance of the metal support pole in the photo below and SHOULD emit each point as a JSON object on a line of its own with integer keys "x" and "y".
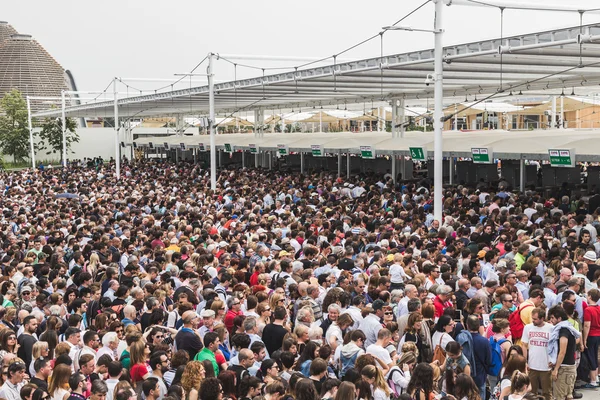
{"x": 220, "y": 158}
{"x": 562, "y": 112}
{"x": 455, "y": 128}
{"x": 30, "y": 133}
{"x": 270, "y": 160}
{"x": 438, "y": 112}
{"x": 195, "y": 155}
{"x": 64, "y": 130}
{"x": 451, "y": 169}
{"x": 394, "y": 167}
{"x": 282, "y": 124}
{"x": 256, "y": 161}
{"x": 339, "y": 164}
{"x": 394, "y": 118}
{"x": 243, "y": 159}
{"x": 211, "y": 123}
{"x": 117, "y": 148}
{"x": 347, "y": 165}
{"x": 301, "y": 162}
{"x": 522, "y": 175}
{"x": 402, "y": 117}
{"x": 553, "y": 114}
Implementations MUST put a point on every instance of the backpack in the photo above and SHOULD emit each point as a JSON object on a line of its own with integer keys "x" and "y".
{"x": 516, "y": 323}
{"x": 496, "y": 365}
{"x": 396, "y": 390}
{"x": 465, "y": 339}
{"x": 495, "y": 395}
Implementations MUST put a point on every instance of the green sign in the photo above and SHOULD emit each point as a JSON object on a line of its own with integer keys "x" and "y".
{"x": 418, "y": 153}
{"x": 150, "y": 145}
{"x": 562, "y": 157}
{"x": 201, "y": 147}
{"x": 182, "y": 146}
{"x": 166, "y": 145}
{"x": 253, "y": 148}
{"x": 228, "y": 148}
{"x": 282, "y": 150}
{"x": 367, "y": 152}
{"x": 317, "y": 150}
{"x": 482, "y": 155}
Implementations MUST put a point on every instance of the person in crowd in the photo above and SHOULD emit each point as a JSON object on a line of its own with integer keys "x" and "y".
{"x": 275, "y": 278}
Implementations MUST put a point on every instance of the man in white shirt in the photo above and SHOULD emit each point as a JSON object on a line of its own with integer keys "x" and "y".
{"x": 378, "y": 349}
{"x": 371, "y": 325}
{"x": 535, "y": 345}
{"x": 114, "y": 373}
{"x": 410, "y": 292}
{"x": 14, "y": 382}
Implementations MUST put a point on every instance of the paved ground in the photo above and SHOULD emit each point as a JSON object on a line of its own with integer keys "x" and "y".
{"x": 589, "y": 394}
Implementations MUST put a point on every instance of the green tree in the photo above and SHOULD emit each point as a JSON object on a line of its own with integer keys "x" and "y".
{"x": 51, "y": 136}
{"x": 14, "y": 131}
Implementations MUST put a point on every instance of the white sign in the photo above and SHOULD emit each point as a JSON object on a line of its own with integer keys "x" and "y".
{"x": 282, "y": 150}
{"x": 253, "y": 148}
{"x": 201, "y": 147}
{"x": 182, "y": 146}
{"x": 316, "y": 150}
{"x": 166, "y": 145}
{"x": 367, "y": 152}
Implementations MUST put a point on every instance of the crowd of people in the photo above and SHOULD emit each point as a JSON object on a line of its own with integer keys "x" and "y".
{"x": 287, "y": 286}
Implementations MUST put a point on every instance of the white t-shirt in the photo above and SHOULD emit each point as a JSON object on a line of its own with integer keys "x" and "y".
{"x": 537, "y": 342}
{"x": 396, "y": 275}
{"x": 380, "y": 353}
{"x": 445, "y": 338}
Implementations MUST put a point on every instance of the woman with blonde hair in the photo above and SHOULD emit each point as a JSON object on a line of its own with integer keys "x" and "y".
{"x": 193, "y": 375}
{"x": 58, "y": 384}
{"x": 374, "y": 377}
{"x": 218, "y": 306}
{"x": 276, "y": 299}
{"x": 40, "y": 349}
{"x": 93, "y": 265}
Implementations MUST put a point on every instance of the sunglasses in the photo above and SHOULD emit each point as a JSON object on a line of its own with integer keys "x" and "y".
{"x": 389, "y": 313}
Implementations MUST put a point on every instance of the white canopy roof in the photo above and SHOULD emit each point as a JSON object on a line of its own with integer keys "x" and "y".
{"x": 503, "y": 144}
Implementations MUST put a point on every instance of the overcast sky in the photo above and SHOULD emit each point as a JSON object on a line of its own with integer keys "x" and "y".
{"x": 157, "y": 38}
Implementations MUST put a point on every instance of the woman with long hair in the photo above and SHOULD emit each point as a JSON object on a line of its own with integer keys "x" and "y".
{"x": 58, "y": 384}
{"x": 375, "y": 378}
{"x": 412, "y": 333}
{"x": 455, "y": 364}
{"x": 228, "y": 382}
{"x": 310, "y": 352}
{"x": 466, "y": 388}
{"x": 399, "y": 375}
{"x": 443, "y": 328}
{"x": 139, "y": 352}
{"x": 193, "y": 375}
{"x": 40, "y": 349}
{"x": 305, "y": 390}
{"x": 218, "y": 306}
{"x": 94, "y": 265}
{"x": 8, "y": 342}
{"x": 420, "y": 386}
{"x": 346, "y": 391}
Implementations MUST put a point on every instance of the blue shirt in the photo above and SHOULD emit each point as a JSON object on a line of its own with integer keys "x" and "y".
{"x": 482, "y": 353}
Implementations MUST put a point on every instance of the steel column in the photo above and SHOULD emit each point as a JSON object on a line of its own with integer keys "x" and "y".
{"x": 211, "y": 123}
{"x": 522, "y": 174}
{"x": 30, "y": 133}
{"x": 301, "y": 162}
{"x": 64, "y": 131}
{"x": 117, "y": 148}
{"x": 438, "y": 112}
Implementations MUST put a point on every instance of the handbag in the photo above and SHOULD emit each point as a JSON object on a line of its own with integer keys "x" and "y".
{"x": 439, "y": 354}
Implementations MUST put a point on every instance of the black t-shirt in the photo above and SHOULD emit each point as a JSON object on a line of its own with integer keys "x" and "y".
{"x": 40, "y": 383}
{"x": 346, "y": 264}
{"x": 25, "y": 351}
{"x": 570, "y": 355}
{"x": 273, "y": 337}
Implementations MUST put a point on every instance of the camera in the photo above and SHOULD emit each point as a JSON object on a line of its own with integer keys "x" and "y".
{"x": 429, "y": 79}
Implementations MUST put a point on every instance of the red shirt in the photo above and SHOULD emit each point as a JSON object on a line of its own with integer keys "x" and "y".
{"x": 138, "y": 371}
{"x": 592, "y": 314}
{"x": 254, "y": 279}
{"x": 439, "y": 306}
{"x": 229, "y": 319}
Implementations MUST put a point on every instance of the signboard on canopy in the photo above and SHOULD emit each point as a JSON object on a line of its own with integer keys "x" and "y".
{"x": 201, "y": 147}
{"x": 253, "y": 148}
{"x": 367, "y": 152}
{"x": 228, "y": 148}
{"x": 166, "y": 145}
{"x": 562, "y": 157}
{"x": 283, "y": 150}
{"x": 182, "y": 146}
{"x": 150, "y": 145}
{"x": 316, "y": 150}
{"x": 482, "y": 155}
{"x": 418, "y": 153}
